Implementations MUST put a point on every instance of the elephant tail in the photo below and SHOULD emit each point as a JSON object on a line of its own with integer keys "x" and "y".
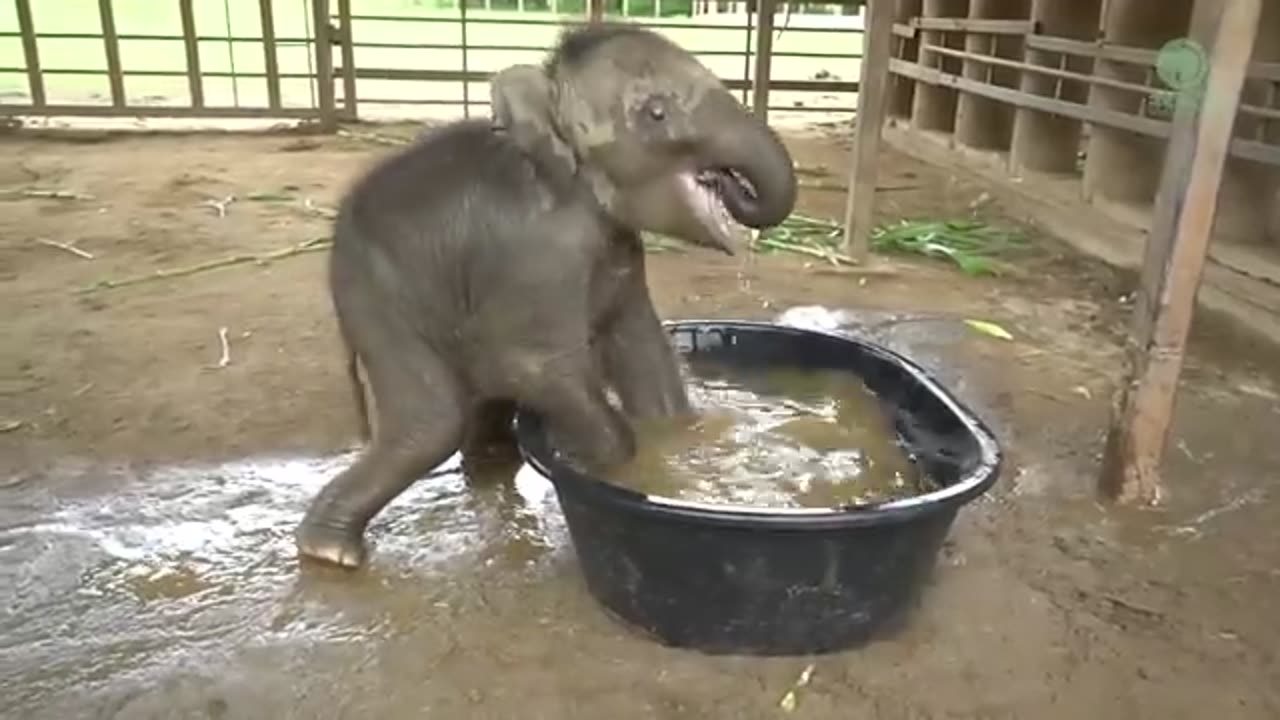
{"x": 357, "y": 392}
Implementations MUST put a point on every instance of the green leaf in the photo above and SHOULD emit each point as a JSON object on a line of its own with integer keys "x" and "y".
{"x": 989, "y": 328}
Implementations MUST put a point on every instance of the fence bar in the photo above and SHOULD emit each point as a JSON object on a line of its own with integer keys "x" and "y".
{"x": 156, "y": 111}
{"x": 764, "y": 59}
{"x": 1128, "y": 55}
{"x": 484, "y": 75}
{"x": 466, "y": 86}
{"x": 112, "y": 43}
{"x": 195, "y": 83}
{"x": 349, "y": 100}
{"x": 324, "y": 65}
{"x": 270, "y": 59}
{"x": 31, "y": 53}
{"x": 748, "y": 36}
{"x": 165, "y": 73}
{"x": 560, "y": 23}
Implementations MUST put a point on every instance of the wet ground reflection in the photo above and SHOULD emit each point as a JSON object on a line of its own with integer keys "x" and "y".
{"x": 198, "y": 562}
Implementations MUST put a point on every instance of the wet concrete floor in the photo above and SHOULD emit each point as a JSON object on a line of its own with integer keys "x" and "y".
{"x": 173, "y": 592}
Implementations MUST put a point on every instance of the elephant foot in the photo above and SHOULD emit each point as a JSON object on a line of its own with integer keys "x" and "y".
{"x": 339, "y": 546}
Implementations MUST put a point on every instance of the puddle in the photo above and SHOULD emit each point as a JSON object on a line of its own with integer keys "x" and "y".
{"x": 189, "y": 565}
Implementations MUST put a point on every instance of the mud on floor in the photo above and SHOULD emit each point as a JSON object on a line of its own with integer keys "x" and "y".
{"x": 148, "y": 489}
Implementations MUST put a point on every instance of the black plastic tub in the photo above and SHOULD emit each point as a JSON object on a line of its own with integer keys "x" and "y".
{"x": 776, "y": 581}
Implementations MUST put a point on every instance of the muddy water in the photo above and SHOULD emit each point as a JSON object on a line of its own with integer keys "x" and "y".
{"x": 185, "y": 574}
{"x": 776, "y": 438}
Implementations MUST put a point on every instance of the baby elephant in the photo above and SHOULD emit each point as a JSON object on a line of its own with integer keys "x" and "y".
{"x": 498, "y": 263}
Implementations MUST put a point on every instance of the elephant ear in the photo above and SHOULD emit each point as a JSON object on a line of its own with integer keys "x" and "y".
{"x": 523, "y": 105}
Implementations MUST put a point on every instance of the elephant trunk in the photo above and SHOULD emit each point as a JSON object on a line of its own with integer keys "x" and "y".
{"x": 740, "y": 142}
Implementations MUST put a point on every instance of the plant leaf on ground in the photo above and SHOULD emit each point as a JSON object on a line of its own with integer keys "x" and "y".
{"x": 971, "y": 244}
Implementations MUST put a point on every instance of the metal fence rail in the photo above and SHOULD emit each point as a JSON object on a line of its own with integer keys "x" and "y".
{"x": 38, "y": 100}
{"x": 331, "y": 60}
{"x": 464, "y": 77}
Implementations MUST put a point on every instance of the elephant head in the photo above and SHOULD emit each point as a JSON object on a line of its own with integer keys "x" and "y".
{"x": 654, "y": 136}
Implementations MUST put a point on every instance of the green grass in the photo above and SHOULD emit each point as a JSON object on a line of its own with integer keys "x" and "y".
{"x": 972, "y": 245}
{"x": 291, "y": 18}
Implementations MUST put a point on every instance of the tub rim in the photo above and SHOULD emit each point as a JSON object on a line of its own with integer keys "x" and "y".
{"x": 535, "y": 448}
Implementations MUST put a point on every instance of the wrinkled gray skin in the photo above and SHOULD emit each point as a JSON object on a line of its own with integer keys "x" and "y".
{"x": 498, "y": 263}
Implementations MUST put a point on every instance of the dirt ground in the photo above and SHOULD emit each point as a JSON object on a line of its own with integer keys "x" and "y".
{"x": 1046, "y": 604}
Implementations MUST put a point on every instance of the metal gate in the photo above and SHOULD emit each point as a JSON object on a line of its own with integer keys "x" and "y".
{"x": 480, "y": 38}
{"x": 326, "y": 61}
{"x": 181, "y": 72}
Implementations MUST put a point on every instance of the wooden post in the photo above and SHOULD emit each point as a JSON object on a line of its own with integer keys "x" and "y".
{"x": 873, "y": 82}
{"x": 764, "y": 59}
{"x": 1175, "y": 257}
{"x": 595, "y": 10}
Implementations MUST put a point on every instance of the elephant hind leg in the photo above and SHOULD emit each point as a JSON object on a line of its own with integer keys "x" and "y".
{"x": 490, "y": 453}
{"x": 418, "y": 407}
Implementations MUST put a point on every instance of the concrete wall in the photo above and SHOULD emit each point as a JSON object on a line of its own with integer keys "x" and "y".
{"x": 1120, "y": 166}
{"x": 1043, "y": 142}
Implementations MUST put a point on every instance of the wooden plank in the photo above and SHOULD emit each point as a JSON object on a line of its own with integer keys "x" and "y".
{"x": 350, "y": 103}
{"x": 764, "y": 59}
{"x": 1258, "y": 111}
{"x": 1111, "y": 118}
{"x": 270, "y": 59}
{"x": 195, "y": 82}
{"x": 1122, "y": 53}
{"x": 31, "y": 53}
{"x": 903, "y": 30}
{"x": 1041, "y": 69}
{"x": 1097, "y": 50}
{"x": 872, "y": 106}
{"x": 1240, "y": 147}
{"x": 1174, "y": 264}
{"x": 975, "y": 25}
{"x": 324, "y": 66}
{"x": 111, "y": 43}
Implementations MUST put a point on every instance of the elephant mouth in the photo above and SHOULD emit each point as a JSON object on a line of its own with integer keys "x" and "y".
{"x": 706, "y": 192}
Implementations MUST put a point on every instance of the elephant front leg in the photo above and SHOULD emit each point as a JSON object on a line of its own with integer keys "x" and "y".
{"x": 569, "y": 396}
{"x": 639, "y": 363}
